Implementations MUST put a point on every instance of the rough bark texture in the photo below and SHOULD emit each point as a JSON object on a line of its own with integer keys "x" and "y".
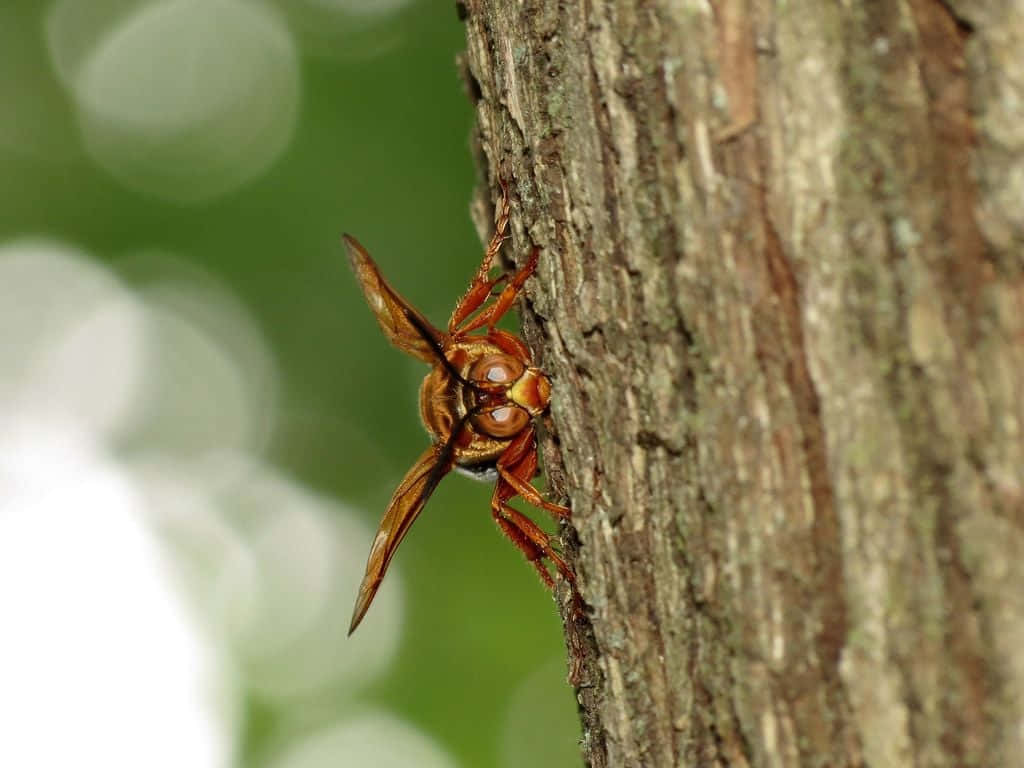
{"x": 781, "y": 296}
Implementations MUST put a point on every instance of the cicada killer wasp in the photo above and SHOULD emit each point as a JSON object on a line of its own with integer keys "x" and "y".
{"x": 479, "y": 403}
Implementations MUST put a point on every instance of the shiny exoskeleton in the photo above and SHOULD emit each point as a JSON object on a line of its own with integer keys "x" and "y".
{"x": 478, "y": 403}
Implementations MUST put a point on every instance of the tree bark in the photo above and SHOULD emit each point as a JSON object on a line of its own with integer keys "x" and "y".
{"x": 781, "y": 297}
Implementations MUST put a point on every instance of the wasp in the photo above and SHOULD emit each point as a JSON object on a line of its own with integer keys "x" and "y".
{"x": 479, "y": 403}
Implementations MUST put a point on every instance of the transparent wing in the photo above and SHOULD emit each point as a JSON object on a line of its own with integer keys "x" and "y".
{"x": 404, "y": 326}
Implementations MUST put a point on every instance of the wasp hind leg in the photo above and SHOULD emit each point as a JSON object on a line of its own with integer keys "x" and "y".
{"x": 519, "y": 461}
{"x": 530, "y": 539}
{"x": 534, "y": 555}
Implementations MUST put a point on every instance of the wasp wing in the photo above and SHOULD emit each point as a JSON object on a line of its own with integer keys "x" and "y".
{"x": 403, "y": 509}
{"x": 404, "y": 326}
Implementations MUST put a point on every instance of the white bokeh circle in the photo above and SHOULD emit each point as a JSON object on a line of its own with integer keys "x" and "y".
{"x": 359, "y": 7}
{"x": 375, "y": 739}
{"x": 101, "y": 661}
{"x": 276, "y": 569}
{"x": 541, "y": 705}
{"x": 210, "y": 381}
{"x": 186, "y": 100}
{"x": 347, "y": 29}
{"x": 71, "y": 342}
{"x": 308, "y": 553}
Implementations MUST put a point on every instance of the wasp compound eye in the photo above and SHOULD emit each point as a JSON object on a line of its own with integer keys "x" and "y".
{"x": 503, "y": 422}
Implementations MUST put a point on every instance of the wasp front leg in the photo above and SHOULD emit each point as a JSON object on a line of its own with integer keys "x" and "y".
{"x": 482, "y": 284}
{"x": 506, "y": 298}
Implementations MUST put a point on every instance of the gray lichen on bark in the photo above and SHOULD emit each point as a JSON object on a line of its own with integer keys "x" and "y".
{"x": 781, "y": 296}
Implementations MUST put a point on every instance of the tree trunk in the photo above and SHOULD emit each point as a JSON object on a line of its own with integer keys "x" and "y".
{"x": 781, "y": 297}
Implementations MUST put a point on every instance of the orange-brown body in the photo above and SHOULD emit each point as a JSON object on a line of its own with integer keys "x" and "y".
{"x": 478, "y": 403}
{"x": 445, "y": 401}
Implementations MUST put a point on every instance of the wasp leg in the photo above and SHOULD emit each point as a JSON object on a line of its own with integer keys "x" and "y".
{"x": 498, "y": 281}
{"x": 506, "y": 298}
{"x": 515, "y": 467}
{"x": 532, "y": 496}
{"x": 518, "y": 465}
{"x": 539, "y": 541}
{"x": 510, "y": 344}
{"x": 480, "y": 288}
{"x": 534, "y": 555}
{"x": 518, "y": 461}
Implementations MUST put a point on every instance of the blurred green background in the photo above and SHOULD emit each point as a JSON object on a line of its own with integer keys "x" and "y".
{"x": 239, "y": 140}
